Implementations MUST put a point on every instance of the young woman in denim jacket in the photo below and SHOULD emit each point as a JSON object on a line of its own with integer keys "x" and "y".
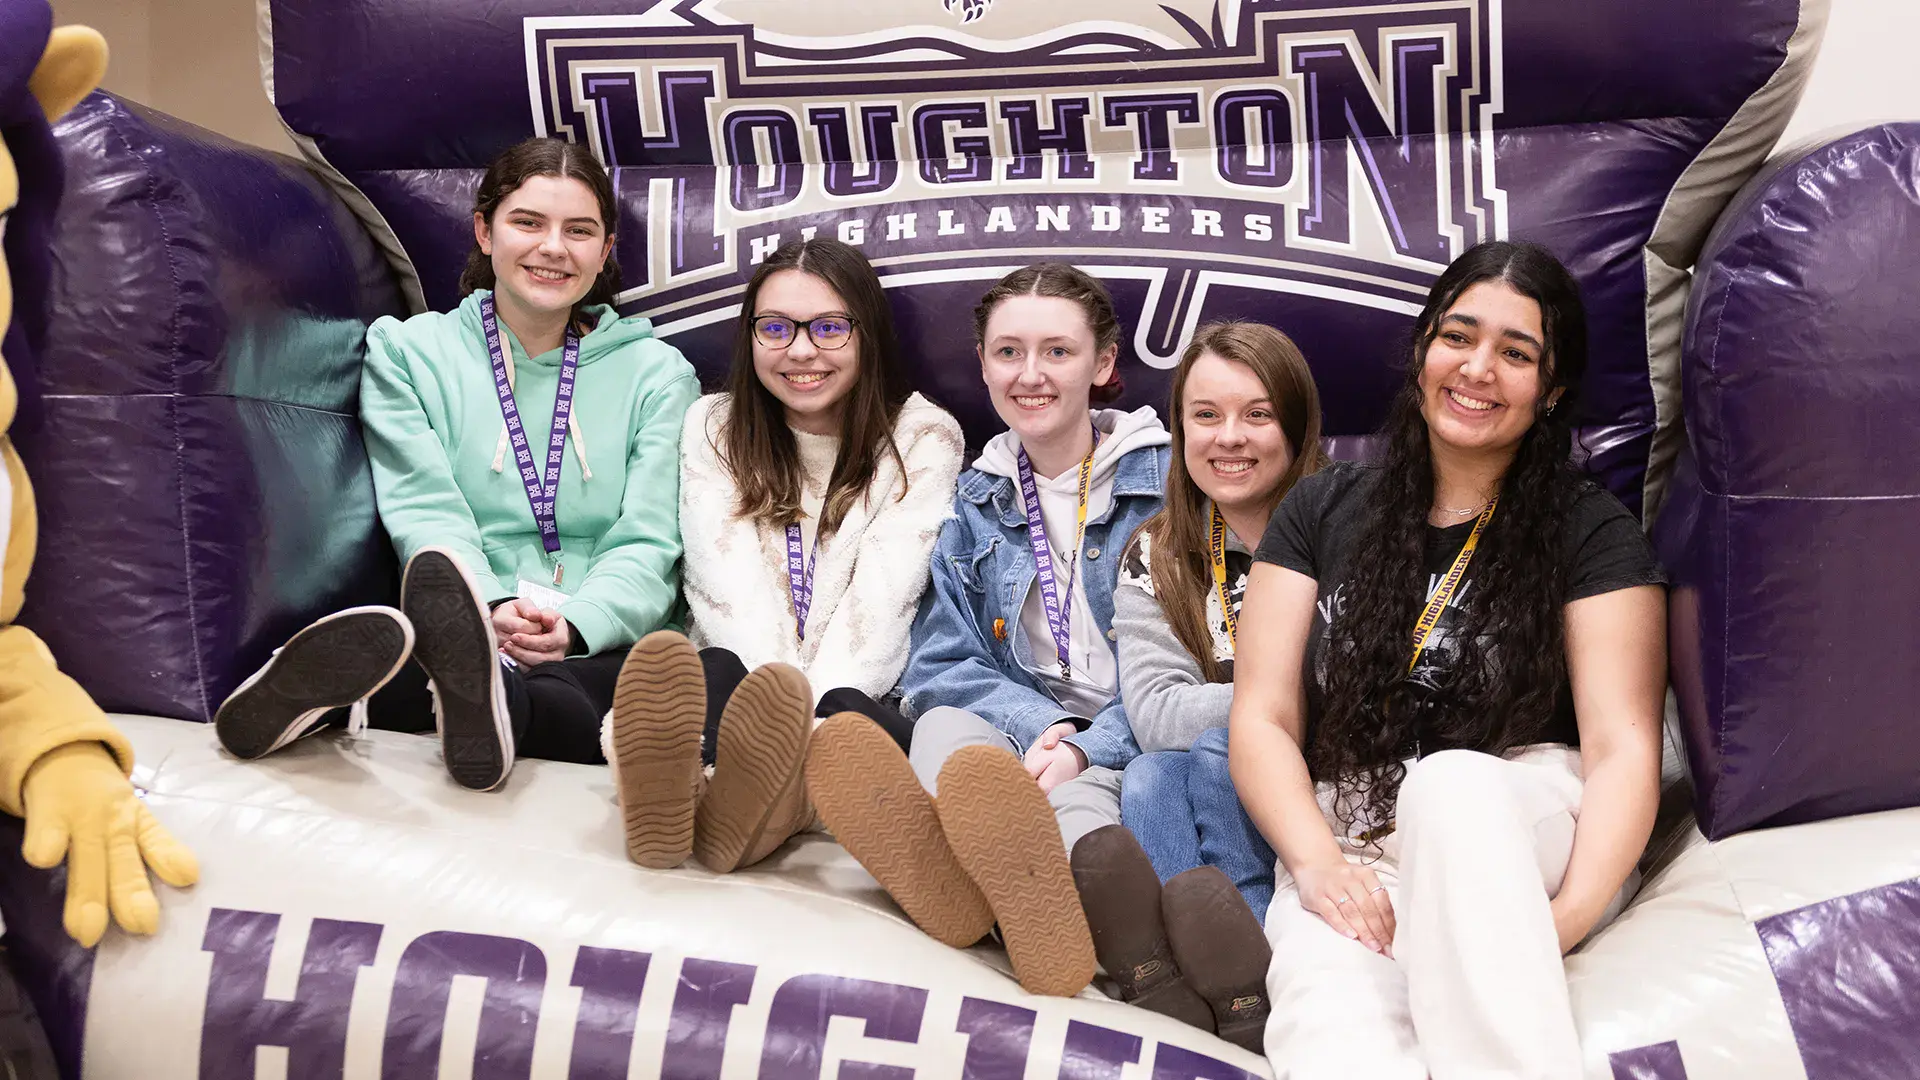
{"x": 1020, "y": 734}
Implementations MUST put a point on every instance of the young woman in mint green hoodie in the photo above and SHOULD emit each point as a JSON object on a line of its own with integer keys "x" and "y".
{"x": 525, "y": 451}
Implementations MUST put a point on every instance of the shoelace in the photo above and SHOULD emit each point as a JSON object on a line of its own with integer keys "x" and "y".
{"x": 357, "y": 718}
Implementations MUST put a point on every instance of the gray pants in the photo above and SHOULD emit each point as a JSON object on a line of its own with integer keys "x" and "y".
{"x": 1080, "y": 805}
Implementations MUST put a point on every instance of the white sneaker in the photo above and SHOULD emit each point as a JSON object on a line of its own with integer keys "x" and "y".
{"x": 455, "y": 644}
{"x": 338, "y": 661}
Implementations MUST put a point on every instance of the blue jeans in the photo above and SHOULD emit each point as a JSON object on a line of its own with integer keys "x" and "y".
{"x": 1183, "y": 809}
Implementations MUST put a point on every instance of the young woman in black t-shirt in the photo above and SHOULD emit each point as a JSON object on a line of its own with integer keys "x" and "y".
{"x": 1446, "y": 661}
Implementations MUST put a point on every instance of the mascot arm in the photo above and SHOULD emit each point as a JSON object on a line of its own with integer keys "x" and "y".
{"x": 64, "y": 766}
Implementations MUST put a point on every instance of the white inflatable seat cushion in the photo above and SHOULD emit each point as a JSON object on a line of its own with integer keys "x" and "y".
{"x": 358, "y": 907}
{"x": 362, "y": 862}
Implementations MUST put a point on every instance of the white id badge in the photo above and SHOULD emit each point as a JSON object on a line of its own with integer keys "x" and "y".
{"x": 541, "y": 596}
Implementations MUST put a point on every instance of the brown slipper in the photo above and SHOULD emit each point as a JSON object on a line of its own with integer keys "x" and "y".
{"x": 757, "y": 798}
{"x": 659, "y": 708}
{"x": 1003, "y": 832}
{"x": 870, "y": 800}
{"x": 1222, "y": 951}
{"x": 1121, "y": 894}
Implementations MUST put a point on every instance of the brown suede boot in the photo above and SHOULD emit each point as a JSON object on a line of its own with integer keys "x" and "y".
{"x": 1121, "y": 895}
{"x": 757, "y": 798}
{"x": 1004, "y": 834}
{"x": 1222, "y": 951}
{"x": 870, "y": 800}
{"x": 659, "y": 707}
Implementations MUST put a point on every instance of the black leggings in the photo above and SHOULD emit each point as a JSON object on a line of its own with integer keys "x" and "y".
{"x": 555, "y": 708}
{"x": 724, "y": 672}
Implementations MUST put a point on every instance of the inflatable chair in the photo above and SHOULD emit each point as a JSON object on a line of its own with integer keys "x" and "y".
{"x": 1753, "y": 393}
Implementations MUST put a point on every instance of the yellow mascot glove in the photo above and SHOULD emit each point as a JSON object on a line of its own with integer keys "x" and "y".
{"x": 82, "y": 808}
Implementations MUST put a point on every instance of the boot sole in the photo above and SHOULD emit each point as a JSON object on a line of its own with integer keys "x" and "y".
{"x": 659, "y": 709}
{"x": 1223, "y": 952}
{"x": 758, "y": 764}
{"x": 867, "y": 795}
{"x": 329, "y": 665}
{"x": 454, "y": 642}
{"x": 1005, "y": 837}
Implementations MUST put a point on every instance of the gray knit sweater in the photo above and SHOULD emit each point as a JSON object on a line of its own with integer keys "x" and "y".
{"x": 1169, "y": 701}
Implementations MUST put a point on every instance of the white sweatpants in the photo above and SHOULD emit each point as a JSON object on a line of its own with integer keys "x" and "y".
{"x": 1475, "y": 988}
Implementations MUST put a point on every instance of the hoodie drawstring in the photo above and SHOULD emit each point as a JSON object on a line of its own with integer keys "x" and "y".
{"x": 573, "y": 429}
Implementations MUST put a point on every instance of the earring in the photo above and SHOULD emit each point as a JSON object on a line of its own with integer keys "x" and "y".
{"x": 1550, "y": 406}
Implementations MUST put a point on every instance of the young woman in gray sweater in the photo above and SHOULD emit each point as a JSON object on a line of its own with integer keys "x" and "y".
{"x": 1246, "y": 427}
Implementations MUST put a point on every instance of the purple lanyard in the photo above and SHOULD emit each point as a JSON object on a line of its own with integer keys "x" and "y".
{"x": 1059, "y": 612}
{"x": 800, "y": 577}
{"x": 541, "y": 494}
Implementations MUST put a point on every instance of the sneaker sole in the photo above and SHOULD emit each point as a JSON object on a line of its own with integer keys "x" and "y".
{"x": 659, "y": 709}
{"x": 866, "y": 793}
{"x": 1223, "y": 952}
{"x": 758, "y": 765}
{"x": 1004, "y": 835}
{"x": 453, "y": 640}
{"x": 329, "y": 665}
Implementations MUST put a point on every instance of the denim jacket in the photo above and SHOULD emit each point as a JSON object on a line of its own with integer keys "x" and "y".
{"x": 982, "y": 572}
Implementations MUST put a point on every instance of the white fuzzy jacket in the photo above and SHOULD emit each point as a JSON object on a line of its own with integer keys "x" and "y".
{"x": 868, "y": 574}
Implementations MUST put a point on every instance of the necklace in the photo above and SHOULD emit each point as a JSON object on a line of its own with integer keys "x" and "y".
{"x": 1461, "y": 513}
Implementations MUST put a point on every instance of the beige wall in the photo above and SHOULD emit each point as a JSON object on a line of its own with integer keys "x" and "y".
{"x": 199, "y": 60}
{"x": 1865, "y": 71}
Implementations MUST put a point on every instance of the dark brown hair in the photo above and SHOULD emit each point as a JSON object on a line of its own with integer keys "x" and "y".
{"x": 1510, "y": 663}
{"x": 756, "y": 445}
{"x": 1067, "y": 283}
{"x": 522, "y": 162}
{"x": 1182, "y": 573}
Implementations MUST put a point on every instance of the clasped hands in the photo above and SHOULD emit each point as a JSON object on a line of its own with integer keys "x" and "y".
{"x": 529, "y": 635}
{"x": 1052, "y": 762}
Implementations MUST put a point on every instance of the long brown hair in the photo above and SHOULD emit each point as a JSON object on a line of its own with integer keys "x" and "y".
{"x": 1057, "y": 279}
{"x": 756, "y": 445}
{"x": 1179, "y": 533}
{"x": 544, "y": 157}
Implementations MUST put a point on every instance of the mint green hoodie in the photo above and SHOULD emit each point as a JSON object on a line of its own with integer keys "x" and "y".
{"x": 433, "y": 430}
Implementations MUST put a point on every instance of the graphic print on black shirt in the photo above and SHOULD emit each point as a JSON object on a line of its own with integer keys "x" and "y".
{"x": 1137, "y": 570}
{"x": 1442, "y": 653}
{"x": 1316, "y": 532}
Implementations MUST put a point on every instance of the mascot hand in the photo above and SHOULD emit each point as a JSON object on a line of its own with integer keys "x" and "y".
{"x": 82, "y": 808}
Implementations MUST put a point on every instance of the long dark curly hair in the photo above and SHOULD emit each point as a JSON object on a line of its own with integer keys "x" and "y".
{"x": 1511, "y": 659}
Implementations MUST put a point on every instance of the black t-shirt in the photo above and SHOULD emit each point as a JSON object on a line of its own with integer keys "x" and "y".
{"x": 1317, "y": 526}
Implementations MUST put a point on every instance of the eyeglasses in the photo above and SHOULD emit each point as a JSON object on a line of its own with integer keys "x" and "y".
{"x": 825, "y": 331}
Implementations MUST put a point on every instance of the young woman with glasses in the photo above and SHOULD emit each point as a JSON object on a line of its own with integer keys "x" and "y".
{"x": 811, "y": 493}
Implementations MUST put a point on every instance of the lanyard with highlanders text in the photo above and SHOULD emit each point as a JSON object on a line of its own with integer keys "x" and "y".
{"x": 1059, "y": 612}
{"x": 1217, "y": 552}
{"x": 800, "y": 576}
{"x": 1437, "y": 603}
{"x": 542, "y": 493}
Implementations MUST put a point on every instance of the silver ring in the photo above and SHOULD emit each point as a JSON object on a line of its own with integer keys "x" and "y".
{"x": 1375, "y": 889}
{"x": 1343, "y": 900}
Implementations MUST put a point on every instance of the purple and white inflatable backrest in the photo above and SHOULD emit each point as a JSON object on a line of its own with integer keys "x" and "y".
{"x": 1310, "y": 165}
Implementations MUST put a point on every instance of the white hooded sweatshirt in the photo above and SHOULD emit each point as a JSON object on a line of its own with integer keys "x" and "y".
{"x": 1093, "y": 676}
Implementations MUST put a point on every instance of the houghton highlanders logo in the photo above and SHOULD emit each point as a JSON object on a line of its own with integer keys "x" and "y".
{"x": 1336, "y": 151}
